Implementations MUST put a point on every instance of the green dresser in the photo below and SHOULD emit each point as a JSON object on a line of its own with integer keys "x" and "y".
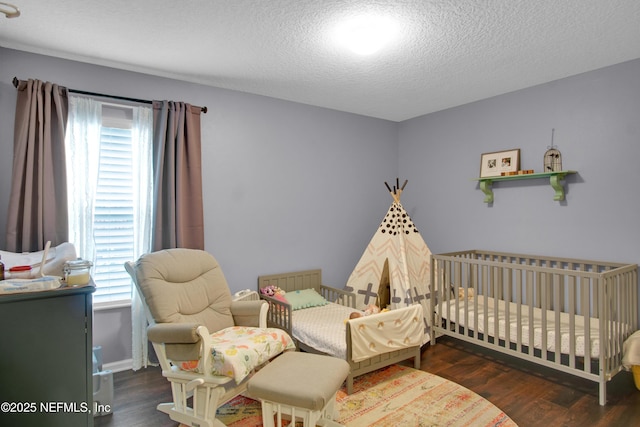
{"x": 46, "y": 358}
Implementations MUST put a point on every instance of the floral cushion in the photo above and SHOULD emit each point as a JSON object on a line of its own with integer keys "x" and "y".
{"x": 238, "y": 350}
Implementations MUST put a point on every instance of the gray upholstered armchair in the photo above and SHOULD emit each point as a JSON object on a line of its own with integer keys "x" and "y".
{"x": 197, "y": 330}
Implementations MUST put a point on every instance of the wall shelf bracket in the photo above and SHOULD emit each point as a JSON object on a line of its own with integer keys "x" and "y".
{"x": 485, "y": 186}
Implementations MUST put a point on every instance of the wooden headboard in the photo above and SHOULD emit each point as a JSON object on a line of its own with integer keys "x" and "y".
{"x": 293, "y": 281}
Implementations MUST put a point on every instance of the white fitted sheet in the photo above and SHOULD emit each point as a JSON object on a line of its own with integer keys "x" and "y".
{"x": 323, "y": 328}
{"x": 490, "y": 311}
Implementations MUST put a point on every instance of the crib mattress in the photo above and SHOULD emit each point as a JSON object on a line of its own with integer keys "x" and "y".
{"x": 323, "y": 328}
{"x": 527, "y": 322}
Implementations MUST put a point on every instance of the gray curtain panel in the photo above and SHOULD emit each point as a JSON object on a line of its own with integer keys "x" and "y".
{"x": 37, "y": 209}
{"x": 178, "y": 218}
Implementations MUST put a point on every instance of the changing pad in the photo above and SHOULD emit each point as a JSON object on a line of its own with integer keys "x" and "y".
{"x": 46, "y": 283}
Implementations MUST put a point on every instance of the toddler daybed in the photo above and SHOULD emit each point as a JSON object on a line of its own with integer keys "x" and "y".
{"x": 317, "y": 317}
{"x": 567, "y": 314}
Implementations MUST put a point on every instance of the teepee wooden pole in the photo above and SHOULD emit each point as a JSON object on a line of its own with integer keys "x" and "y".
{"x": 397, "y": 190}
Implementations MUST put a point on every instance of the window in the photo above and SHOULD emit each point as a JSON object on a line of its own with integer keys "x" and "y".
{"x": 109, "y": 180}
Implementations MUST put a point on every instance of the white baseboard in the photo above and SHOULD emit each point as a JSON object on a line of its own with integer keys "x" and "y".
{"x": 119, "y": 366}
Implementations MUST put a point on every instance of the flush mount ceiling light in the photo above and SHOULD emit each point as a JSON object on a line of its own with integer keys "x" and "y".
{"x": 9, "y": 10}
{"x": 366, "y": 34}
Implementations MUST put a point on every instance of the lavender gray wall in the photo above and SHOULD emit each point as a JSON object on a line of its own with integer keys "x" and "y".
{"x": 286, "y": 186}
{"x": 596, "y": 116}
{"x": 289, "y": 186}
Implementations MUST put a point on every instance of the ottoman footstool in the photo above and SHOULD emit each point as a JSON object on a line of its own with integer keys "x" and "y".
{"x": 300, "y": 385}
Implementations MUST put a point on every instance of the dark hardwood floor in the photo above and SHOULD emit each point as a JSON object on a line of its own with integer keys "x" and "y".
{"x": 529, "y": 394}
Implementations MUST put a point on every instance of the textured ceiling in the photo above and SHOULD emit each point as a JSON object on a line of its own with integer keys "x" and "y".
{"x": 448, "y": 52}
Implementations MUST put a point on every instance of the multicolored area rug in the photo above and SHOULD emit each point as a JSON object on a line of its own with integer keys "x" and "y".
{"x": 393, "y": 396}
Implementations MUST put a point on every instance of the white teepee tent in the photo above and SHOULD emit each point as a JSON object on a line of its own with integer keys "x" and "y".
{"x": 394, "y": 270}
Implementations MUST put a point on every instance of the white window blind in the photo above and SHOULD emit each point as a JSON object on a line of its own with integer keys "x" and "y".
{"x": 113, "y": 218}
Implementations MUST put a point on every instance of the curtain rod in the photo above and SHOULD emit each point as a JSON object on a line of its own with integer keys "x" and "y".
{"x": 122, "y": 98}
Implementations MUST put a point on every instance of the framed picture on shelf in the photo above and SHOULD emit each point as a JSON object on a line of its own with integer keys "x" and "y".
{"x": 494, "y": 164}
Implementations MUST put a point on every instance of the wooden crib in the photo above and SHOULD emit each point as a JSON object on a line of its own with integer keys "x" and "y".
{"x": 566, "y": 314}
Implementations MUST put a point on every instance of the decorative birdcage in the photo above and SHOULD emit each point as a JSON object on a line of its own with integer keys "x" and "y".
{"x": 552, "y": 160}
{"x": 552, "y": 157}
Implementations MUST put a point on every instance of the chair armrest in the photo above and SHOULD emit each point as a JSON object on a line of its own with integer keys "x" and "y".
{"x": 173, "y": 333}
{"x": 179, "y": 341}
{"x": 250, "y": 313}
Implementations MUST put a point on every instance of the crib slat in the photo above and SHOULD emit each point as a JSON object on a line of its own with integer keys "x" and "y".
{"x": 477, "y": 281}
{"x": 486, "y": 273}
{"x": 508, "y": 297}
{"x": 496, "y": 285}
{"x": 519, "y": 301}
{"x": 530, "y": 306}
{"x": 557, "y": 307}
{"x": 543, "y": 301}
{"x": 572, "y": 320}
{"x": 587, "y": 296}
